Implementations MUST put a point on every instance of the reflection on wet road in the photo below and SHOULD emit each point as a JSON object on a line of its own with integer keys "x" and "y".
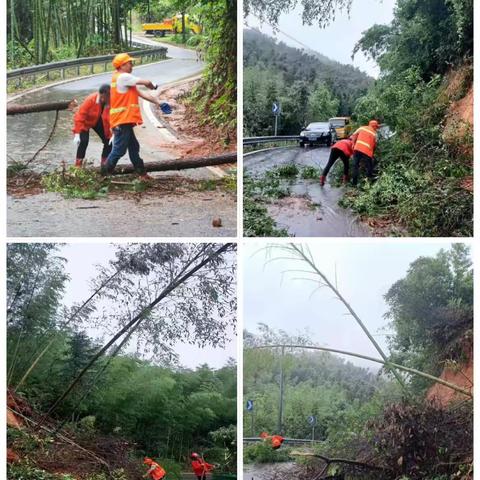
{"x": 310, "y": 210}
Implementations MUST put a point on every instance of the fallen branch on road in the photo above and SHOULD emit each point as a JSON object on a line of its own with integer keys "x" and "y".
{"x": 16, "y": 109}
{"x": 178, "y": 164}
{"x": 328, "y": 461}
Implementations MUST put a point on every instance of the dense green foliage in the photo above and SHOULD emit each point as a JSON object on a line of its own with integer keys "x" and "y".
{"x": 40, "y": 31}
{"x": 216, "y": 96}
{"x": 162, "y": 408}
{"x": 431, "y": 310}
{"x": 421, "y": 168}
{"x": 309, "y": 86}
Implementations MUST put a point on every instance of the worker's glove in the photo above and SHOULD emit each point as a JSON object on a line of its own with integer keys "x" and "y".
{"x": 110, "y": 142}
{"x": 76, "y": 139}
{"x": 166, "y": 108}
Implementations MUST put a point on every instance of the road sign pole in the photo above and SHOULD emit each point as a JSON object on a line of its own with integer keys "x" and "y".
{"x": 276, "y": 124}
{"x": 313, "y": 435}
{"x": 252, "y": 429}
{"x": 280, "y": 410}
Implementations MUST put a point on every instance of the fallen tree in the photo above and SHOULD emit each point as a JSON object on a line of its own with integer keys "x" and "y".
{"x": 178, "y": 164}
{"x": 329, "y": 461}
{"x": 15, "y": 109}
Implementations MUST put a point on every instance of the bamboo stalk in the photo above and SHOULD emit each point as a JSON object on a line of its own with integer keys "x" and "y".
{"x": 377, "y": 360}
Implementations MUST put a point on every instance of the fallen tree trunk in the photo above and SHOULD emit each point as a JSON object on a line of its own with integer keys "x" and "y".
{"x": 15, "y": 109}
{"x": 179, "y": 164}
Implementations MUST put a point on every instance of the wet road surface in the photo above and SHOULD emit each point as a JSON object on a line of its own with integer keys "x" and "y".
{"x": 49, "y": 214}
{"x": 310, "y": 210}
{"x": 267, "y": 470}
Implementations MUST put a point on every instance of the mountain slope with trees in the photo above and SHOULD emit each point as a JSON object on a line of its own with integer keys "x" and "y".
{"x": 310, "y": 86}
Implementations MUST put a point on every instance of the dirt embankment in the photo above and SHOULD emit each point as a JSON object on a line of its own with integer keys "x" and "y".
{"x": 458, "y": 373}
{"x": 458, "y": 126}
{"x": 194, "y": 135}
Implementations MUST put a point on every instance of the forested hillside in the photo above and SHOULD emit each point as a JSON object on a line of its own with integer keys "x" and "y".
{"x": 69, "y": 403}
{"x": 310, "y": 86}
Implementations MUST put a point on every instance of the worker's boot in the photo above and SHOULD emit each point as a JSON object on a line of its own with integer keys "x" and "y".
{"x": 145, "y": 177}
{"x": 345, "y": 179}
{"x": 79, "y": 162}
{"x": 322, "y": 180}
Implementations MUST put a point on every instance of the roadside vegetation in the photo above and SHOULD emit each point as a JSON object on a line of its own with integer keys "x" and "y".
{"x": 260, "y": 190}
{"x": 136, "y": 399}
{"x": 406, "y": 427}
{"x": 425, "y": 96}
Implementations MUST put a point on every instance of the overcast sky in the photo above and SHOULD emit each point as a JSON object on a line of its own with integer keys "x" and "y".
{"x": 339, "y": 38}
{"x": 82, "y": 259}
{"x": 365, "y": 271}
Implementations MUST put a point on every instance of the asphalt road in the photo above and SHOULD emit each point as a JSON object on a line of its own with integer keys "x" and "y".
{"x": 50, "y": 215}
{"x": 311, "y": 210}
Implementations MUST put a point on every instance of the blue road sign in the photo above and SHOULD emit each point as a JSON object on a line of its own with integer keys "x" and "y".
{"x": 249, "y": 405}
{"x": 312, "y": 420}
{"x": 276, "y": 108}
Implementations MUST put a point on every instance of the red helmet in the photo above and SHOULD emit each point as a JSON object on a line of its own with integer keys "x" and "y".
{"x": 374, "y": 124}
{"x": 195, "y": 455}
{"x": 147, "y": 461}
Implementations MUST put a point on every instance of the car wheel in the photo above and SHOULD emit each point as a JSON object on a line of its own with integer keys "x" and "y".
{"x": 302, "y": 144}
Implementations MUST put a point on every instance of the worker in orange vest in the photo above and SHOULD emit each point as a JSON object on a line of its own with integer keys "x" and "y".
{"x": 93, "y": 113}
{"x": 275, "y": 440}
{"x": 125, "y": 113}
{"x": 342, "y": 149}
{"x": 155, "y": 471}
{"x": 364, "y": 143}
{"x": 200, "y": 466}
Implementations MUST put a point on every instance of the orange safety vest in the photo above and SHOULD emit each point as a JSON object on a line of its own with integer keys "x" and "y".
{"x": 88, "y": 115}
{"x": 124, "y": 107}
{"x": 158, "y": 473}
{"x": 365, "y": 142}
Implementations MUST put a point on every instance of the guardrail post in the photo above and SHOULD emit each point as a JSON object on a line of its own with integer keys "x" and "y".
{"x": 62, "y": 73}
{"x": 92, "y": 69}
{"x": 78, "y": 70}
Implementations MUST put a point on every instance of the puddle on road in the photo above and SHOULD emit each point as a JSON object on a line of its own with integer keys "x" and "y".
{"x": 310, "y": 210}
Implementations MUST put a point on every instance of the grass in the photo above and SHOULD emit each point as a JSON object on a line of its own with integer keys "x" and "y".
{"x": 77, "y": 183}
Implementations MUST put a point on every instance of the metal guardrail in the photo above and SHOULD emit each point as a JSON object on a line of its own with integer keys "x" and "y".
{"x": 259, "y": 140}
{"x": 151, "y": 54}
{"x": 290, "y": 441}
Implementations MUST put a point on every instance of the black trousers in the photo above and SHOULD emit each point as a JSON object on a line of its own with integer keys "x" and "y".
{"x": 357, "y": 158}
{"x": 335, "y": 154}
{"x": 202, "y": 477}
{"x": 85, "y": 137}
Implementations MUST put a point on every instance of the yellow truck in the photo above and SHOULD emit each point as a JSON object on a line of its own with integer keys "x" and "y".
{"x": 171, "y": 25}
{"x": 342, "y": 125}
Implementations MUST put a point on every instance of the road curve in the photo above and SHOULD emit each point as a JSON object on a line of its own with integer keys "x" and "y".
{"x": 328, "y": 219}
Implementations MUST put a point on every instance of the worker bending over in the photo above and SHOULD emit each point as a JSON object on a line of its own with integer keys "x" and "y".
{"x": 93, "y": 113}
{"x": 342, "y": 149}
{"x": 200, "y": 466}
{"x": 125, "y": 113}
{"x": 275, "y": 441}
{"x": 364, "y": 143}
{"x": 155, "y": 471}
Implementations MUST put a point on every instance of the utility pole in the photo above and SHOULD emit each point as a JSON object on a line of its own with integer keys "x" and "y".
{"x": 282, "y": 380}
